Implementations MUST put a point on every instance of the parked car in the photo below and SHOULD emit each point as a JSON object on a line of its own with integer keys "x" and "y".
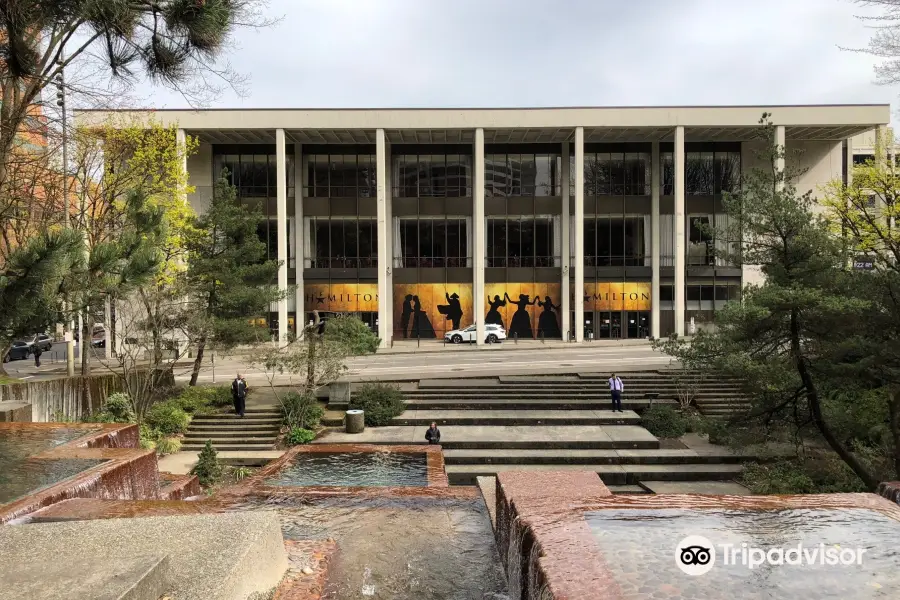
{"x": 99, "y": 339}
{"x": 20, "y": 350}
{"x": 44, "y": 342}
{"x": 493, "y": 334}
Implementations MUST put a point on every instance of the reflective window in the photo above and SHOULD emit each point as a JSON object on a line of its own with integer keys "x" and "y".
{"x": 342, "y": 243}
{"x": 254, "y": 175}
{"x": 611, "y": 241}
{"x": 428, "y": 243}
{"x": 522, "y": 174}
{"x": 432, "y": 175}
{"x": 340, "y": 175}
{"x": 520, "y": 241}
{"x": 707, "y": 172}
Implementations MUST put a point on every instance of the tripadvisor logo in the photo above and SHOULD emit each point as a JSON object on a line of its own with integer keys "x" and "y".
{"x": 696, "y": 555}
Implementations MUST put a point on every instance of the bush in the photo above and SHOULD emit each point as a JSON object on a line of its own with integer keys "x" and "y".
{"x": 208, "y": 469}
{"x": 168, "y": 445}
{"x": 301, "y": 411}
{"x": 380, "y": 402}
{"x": 353, "y": 334}
{"x": 717, "y": 431}
{"x": 149, "y": 437}
{"x": 664, "y": 421}
{"x": 824, "y": 475}
{"x": 120, "y": 408}
{"x": 241, "y": 473}
{"x": 199, "y": 399}
{"x": 298, "y": 435}
{"x": 168, "y": 418}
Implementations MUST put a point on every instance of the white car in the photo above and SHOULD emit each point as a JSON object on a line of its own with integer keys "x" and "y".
{"x": 493, "y": 334}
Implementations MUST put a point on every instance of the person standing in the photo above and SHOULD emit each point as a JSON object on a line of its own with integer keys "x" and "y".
{"x": 239, "y": 394}
{"x": 615, "y": 390}
{"x": 37, "y": 351}
{"x": 433, "y": 434}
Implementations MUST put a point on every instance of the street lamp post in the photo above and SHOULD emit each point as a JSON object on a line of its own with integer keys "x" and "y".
{"x": 61, "y": 103}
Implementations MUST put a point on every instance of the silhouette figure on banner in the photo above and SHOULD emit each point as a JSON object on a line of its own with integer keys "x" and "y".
{"x": 406, "y": 314}
{"x": 548, "y": 325}
{"x": 493, "y": 315}
{"x": 520, "y": 326}
{"x": 422, "y": 327}
{"x": 452, "y": 310}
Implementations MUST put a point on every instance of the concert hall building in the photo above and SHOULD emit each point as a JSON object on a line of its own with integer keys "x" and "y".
{"x": 581, "y": 223}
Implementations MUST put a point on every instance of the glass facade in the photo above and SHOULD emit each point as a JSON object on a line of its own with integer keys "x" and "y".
{"x": 612, "y": 241}
{"x": 709, "y": 169}
{"x": 522, "y": 174}
{"x": 431, "y": 175}
{"x": 432, "y": 242}
{"x": 341, "y": 243}
{"x": 253, "y": 170}
{"x": 521, "y": 241}
{"x": 341, "y": 174}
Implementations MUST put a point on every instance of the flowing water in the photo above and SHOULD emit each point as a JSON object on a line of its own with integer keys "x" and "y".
{"x": 354, "y": 469}
{"x": 20, "y": 474}
{"x": 640, "y": 548}
{"x": 399, "y": 548}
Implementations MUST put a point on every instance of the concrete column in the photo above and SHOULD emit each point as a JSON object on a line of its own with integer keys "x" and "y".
{"x": 478, "y": 225}
{"x": 181, "y": 146}
{"x": 849, "y": 158}
{"x": 299, "y": 233}
{"x": 107, "y": 327}
{"x": 384, "y": 256}
{"x": 281, "y": 231}
{"x": 566, "y": 257}
{"x": 579, "y": 235}
{"x": 655, "y": 236}
{"x": 780, "y": 148}
{"x": 679, "y": 231}
{"x": 879, "y": 142}
{"x": 389, "y": 200}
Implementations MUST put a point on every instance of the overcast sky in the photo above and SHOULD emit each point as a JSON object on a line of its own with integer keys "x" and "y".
{"x": 481, "y": 53}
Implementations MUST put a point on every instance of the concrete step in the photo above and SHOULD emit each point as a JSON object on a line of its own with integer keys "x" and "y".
{"x": 516, "y": 417}
{"x": 520, "y": 404}
{"x": 247, "y": 417}
{"x": 627, "y": 489}
{"x": 230, "y": 447}
{"x": 246, "y": 434}
{"x": 232, "y": 426}
{"x": 500, "y": 437}
{"x": 585, "y": 457}
{"x": 610, "y": 474}
{"x": 245, "y": 422}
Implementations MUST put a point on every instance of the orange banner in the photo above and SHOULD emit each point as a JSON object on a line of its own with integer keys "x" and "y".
{"x": 428, "y": 310}
{"x": 341, "y": 297}
{"x": 526, "y": 310}
{"x": 610, "y": 296}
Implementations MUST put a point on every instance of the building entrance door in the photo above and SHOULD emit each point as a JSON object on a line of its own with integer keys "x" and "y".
{"x": 609, "y": 325}
{"x": 638, "y": 324}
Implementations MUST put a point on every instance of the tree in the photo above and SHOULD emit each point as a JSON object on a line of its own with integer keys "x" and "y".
{"x": 111, "y": 44}
{"x": 32, "y": 280}
{"x": 866, "y": 212}
{"x": 885, "y": 42}
{"x": 228, "y": 276}
{"x": 782, "y": 336}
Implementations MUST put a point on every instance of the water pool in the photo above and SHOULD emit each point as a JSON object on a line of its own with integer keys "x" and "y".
{"x": 398, "y": 548}
{"x": 399, "y": 469}
{"x": 640, "y": 548}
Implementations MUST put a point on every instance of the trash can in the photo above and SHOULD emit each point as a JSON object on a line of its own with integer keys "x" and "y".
{"x": 355, "y": 421}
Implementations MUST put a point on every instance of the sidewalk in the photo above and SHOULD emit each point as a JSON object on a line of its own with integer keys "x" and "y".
{"x": 417, "y": 346}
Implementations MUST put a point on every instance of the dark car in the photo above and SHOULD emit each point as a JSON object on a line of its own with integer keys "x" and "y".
{"x": 18, "y": 351}
{"x": 44, "y": 342}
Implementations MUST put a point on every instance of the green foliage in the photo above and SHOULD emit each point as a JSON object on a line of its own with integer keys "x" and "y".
{"x": 208, "y": 468}
{"x": 118, "y": 406}
{"x": 381, "y": 403}
{"x": 353, "y": 333}
{"x": 168, "y": 445}
{"x": 149, "y": 437}
{"x": 168, "y": 418}
{"x": 241, "y": 473}
{"x": 298, "y": 435}
{"x": 717, "y": 431}
{"x": 301, "y": 411}
{"x": 826, "y": 475}
{"x": 202, "y": 399}
{"x": 663, "y": 421}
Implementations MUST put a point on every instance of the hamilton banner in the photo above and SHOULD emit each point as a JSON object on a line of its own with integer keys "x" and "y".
{"x": 428, "y": 310}
{"x": 617, "y": 295}
{"x": 525, "y": 310}
{"x": 340, "y": 297}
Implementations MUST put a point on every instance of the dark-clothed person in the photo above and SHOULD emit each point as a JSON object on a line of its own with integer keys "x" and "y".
{"x": 239, "y": 394}
{"x": 37, "y": 353}
{"x": 433, "y": 435}
{"x": 615, "y": 390}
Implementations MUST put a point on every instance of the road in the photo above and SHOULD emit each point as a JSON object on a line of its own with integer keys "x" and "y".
{"x": 448, "y": 362}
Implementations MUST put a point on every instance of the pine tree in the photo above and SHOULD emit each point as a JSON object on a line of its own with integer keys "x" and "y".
{"x": 229, "y": 276}
{"x": 208, "y": 469}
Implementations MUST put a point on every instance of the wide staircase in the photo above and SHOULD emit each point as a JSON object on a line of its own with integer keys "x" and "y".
{"x": 256, "y": 430}
{"x": 564, "y": 422}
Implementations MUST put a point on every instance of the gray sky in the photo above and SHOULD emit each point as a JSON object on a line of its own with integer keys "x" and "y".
{"x": 422, "y": 53}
